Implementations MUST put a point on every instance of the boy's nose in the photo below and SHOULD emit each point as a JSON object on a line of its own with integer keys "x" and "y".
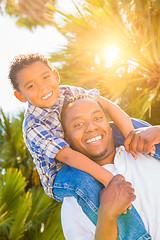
{"x": 42, "y": 85}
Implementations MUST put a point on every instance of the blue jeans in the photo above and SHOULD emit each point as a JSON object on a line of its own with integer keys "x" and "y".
{"x": 72, "y": 182}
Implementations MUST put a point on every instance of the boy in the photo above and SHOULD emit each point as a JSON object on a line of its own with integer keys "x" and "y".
{"x": 36, "y": 82}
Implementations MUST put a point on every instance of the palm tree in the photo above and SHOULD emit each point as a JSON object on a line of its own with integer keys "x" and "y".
{"x": 132, "y": 26}
{"x": 133, "y": 81}
{"x": 27, "y": 215}
{"x": 29, "y": 13}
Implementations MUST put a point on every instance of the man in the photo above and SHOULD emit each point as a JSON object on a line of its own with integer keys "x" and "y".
{"x": 88, "y": 131}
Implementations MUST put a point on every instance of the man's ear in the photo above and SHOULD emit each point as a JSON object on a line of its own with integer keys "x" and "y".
{"x": 55, "y": 72}
{"x": 19, "y": 96}
{"x": 65, "y": 137}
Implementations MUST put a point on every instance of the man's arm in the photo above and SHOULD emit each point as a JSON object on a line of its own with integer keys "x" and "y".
{"x": 114, "y": 200}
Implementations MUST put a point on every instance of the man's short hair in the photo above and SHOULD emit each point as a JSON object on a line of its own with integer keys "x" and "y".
{"x": 71, "y": 100}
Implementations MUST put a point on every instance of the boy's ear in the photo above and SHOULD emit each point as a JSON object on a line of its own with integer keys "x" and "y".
{"x": 55, "y": 72}
{"x": 19, "y": 96}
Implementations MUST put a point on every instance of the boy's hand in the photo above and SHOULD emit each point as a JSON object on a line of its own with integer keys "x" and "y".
{"x": 116, "y": 198}
{"x": 142, "y": 140}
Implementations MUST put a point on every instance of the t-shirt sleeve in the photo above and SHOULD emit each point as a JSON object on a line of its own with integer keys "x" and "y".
{"x": 75, "y": 224}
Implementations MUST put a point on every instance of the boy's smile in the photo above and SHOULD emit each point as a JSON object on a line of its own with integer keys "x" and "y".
{"x": 38, "y": 84}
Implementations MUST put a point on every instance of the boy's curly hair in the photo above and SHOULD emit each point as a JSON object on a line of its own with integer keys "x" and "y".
{"x": 22, "y": 61}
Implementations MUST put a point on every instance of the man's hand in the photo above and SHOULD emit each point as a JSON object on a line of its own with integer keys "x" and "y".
{"x": 116, "y": 197}
{"x": 142, "y": 140}
{"x": 114, "y": 200}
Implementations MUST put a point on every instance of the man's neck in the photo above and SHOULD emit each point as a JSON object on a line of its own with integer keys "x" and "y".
{"x": 108, "y": 160}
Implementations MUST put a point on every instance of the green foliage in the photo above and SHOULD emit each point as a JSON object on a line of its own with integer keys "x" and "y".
{"x": 15, "y": 205}
{"x": 28, "y": 13}
{"x": 27, "y": 215}
{"x": 26, "y": 212}
{"x": 14, "y": 152}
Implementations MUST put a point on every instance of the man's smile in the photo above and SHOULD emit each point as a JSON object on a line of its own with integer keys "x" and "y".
{"x": 94, "y": 140}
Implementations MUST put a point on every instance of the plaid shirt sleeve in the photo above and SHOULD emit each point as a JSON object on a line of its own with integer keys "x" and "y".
{"x": 43, "y": 145}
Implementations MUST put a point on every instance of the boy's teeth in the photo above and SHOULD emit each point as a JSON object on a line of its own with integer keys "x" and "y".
{"x": 47, "y": 96}
{"x": 94, "y": 139}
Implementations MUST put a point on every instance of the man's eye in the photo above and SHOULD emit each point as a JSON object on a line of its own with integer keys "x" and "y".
{"x": 78, "y": 125}
{"x": 98, "y": 118}
{"x": 30, "y": 86}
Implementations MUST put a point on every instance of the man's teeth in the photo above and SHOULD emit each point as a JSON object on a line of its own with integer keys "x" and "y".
{"x": 94, "y": 139}
{"x": 47, "y": 96}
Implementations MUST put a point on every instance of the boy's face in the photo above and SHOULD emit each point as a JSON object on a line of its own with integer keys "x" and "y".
{"x": 38, "y": 84}
{"x": 88, "y": 131}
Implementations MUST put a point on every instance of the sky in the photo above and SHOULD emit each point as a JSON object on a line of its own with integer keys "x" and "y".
{"x": 15, "y": 41}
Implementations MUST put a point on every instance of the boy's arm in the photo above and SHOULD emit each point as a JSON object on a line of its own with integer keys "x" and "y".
{"x": 143, "y": 139}
{"x": 118, "y": 116}
{"x": 77, "y": 160}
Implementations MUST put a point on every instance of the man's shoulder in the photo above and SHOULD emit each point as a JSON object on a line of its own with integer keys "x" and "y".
{"x": 120, "y": 149}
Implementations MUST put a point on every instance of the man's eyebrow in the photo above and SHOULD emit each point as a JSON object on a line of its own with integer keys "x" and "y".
{"x": 33, "y": 79}
{"x": 81, "y": 116}
{"x": 27, "y": 83}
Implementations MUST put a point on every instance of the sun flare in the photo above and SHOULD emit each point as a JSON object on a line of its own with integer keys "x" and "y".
{"x": 110, "y": 54}
{"x": 107, "y": 56}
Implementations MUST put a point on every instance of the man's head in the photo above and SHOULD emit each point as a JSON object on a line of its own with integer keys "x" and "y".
{"x": 34, "y": 80}
{"x": 86, "y": 128}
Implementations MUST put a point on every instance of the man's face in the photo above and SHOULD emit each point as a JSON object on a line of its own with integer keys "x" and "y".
{"x": 87, "y": 130}
{"x": 38, "y": 84}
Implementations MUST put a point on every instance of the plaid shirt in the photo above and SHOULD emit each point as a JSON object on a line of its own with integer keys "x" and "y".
{"x": 43, "y": 135}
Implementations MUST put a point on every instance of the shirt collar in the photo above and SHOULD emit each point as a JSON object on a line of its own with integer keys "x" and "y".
{"x": 40, "y": 113}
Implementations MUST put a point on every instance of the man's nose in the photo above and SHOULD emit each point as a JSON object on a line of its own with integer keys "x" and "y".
{"x": 90, "y": 126}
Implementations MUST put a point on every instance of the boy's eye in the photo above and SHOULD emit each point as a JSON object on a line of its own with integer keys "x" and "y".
{"x": 46, "y": 76}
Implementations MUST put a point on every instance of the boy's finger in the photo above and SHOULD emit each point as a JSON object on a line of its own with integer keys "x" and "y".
{"x": 134, "y": 154}
{"x": 130, "y": 207}
{"x": 127, "y": 142}
{"x": 153, "y": 150}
